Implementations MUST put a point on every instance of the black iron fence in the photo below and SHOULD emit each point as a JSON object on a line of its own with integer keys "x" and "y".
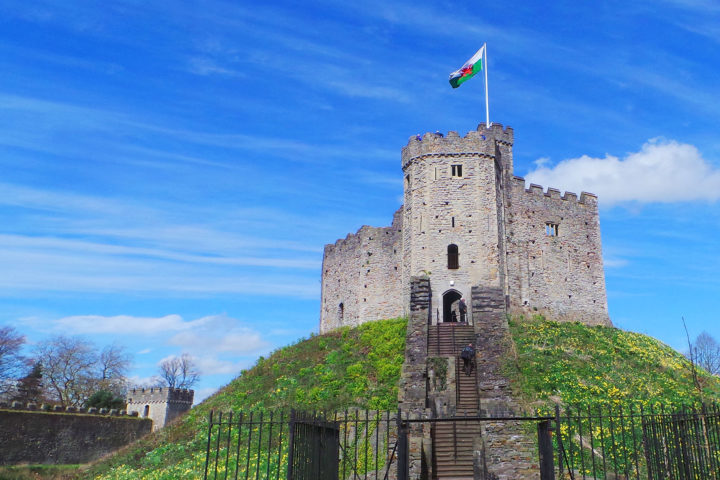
{"x": 358, "y": 444}
{"x": 619, "y": 442}
{"x": 635, "y": 442}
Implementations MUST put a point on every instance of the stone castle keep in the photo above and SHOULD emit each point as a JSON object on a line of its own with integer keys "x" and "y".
{"x": 468, "y": 221}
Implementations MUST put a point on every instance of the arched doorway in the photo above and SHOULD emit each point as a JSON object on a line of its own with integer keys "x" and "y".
{"x": 450, "y": 299}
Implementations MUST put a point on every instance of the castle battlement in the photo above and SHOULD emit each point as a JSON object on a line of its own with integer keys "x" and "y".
{"x": 372, "y": 235}
{"x": 160, "y": 395}
{"x": 476, "y": 142}
{"x": 585, "y": 198}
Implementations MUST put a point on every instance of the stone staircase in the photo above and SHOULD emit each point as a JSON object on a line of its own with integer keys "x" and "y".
{"x": 449, "y": 338}
{"x": 454, "y": 461}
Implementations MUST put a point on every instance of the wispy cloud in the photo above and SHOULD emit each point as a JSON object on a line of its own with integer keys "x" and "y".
{"x": 209, "y": 66}
{"x": 219, "y": 333}
{"x": 126, "y": 324}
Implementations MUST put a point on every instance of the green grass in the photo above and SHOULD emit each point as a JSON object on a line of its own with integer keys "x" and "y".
{"x": 582, "y": 365}
{"x": 360, "y": 367}
{"x": 346, "y": 368}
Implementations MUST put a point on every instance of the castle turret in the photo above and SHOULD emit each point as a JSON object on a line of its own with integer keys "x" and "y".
{"x": 161, "y": 404}
{"x": 452, "y": 224}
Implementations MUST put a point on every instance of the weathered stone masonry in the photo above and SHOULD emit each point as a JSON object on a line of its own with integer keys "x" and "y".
{"x": 65, "y": 436}
{"x": 541, "y": 249}
{"x": 161, "y": 404}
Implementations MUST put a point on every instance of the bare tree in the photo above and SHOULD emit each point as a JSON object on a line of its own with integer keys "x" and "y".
{"x": 113, "y": 364}
{"x": 11, "y": 362}
{"x": 706, "y": 352}
{"x": 179, "y": 372}
{"x": 73, "y": 369}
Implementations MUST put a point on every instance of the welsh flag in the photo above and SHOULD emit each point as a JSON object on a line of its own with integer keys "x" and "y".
{"x": 471, "y": 67}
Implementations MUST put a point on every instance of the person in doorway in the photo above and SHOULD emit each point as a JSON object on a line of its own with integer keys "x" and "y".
{"x": 468, "y": 355}
{"x": 462, "y": 306}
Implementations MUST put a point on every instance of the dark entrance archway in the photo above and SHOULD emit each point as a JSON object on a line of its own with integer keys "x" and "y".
{"x": 449, "y": 298}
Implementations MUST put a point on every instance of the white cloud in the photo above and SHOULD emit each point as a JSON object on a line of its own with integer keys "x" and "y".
{"x": 219, "y": 333}
{"x": 211, "y": 365}
{"x": 663, "y": 171}
{"x": 128, "y": 324}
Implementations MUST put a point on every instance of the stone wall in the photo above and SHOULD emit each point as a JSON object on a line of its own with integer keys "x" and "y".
{"x": 61, "y": 438}
{"x": 560, "y": 276}
{"x": 161, "y": 404}
{"x": 412, "y": 391}
{"x": 506, "y": 451}
{"x": 361, "y": 277}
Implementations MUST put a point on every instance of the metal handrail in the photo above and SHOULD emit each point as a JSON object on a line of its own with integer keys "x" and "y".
{"x": 457, "y": 401}
{"x": 437, "y": 339}
{"x": 455, "y": 352}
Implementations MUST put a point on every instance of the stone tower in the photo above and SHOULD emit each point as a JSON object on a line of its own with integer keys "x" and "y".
{"x": 467, "y": 222}
{"x": 453, "y": 211}
{"x": 161, "y": 404}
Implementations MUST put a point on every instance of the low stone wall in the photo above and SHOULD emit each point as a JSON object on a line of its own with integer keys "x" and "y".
{"x": 57, "y": 437}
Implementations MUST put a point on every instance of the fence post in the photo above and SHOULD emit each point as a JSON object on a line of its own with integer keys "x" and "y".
{"x": 558, "y": 434}
{"x": 291, "y": 445}
{"x": 402, "y": 444}
{"x": 207, "y": 454}
{"x": 545, "y": 447}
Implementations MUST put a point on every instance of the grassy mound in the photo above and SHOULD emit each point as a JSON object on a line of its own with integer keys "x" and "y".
{"x": 584, "y": 365}
{"x": 360, "y": 367}
{"x": 346, "y": 368}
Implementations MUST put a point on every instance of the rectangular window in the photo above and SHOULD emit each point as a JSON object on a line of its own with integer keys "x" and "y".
{"x": 456, "y": 171}
{"x": 551, "y": 229}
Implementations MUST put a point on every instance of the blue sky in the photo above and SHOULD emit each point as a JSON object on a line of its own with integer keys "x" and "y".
{"x": 169, "y": 173}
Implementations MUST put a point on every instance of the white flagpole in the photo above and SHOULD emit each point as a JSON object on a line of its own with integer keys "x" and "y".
{"x": 487, "y": 106}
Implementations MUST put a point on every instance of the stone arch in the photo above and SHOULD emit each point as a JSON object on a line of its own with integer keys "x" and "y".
{"x": 450, "y": 301}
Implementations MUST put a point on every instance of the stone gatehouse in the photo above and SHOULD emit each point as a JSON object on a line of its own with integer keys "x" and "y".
{"x": 468, "y": 221}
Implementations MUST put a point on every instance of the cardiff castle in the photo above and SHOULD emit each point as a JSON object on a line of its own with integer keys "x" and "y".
{"x": 467, "y": 221}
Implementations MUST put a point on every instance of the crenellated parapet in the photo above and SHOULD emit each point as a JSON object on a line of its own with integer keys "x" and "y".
{"x": 481, "y": 142}
{"x": 585, "y": 198}
{"x": 160, "y": 395}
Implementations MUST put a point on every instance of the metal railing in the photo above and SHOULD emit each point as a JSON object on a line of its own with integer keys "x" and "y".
{"x": 275, "y": 445}
{"x": 637, "y": 442}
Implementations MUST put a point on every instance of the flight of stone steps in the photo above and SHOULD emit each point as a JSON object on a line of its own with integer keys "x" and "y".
{"x": 442, "y": 336}
{"x": 453, "y": 441}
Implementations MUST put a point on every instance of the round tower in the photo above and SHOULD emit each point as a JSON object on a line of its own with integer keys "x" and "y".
{"x": 453, "y": 219}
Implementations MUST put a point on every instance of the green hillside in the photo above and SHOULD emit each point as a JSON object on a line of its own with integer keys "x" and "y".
{"x": 584, "y": 365}
{"x": 347, "y": 367}
{"x": 361, "y": 367}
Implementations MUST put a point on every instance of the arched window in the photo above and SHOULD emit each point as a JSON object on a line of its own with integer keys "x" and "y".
{"x": 453, "y": 257}
{"x": 146, "y": 411}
